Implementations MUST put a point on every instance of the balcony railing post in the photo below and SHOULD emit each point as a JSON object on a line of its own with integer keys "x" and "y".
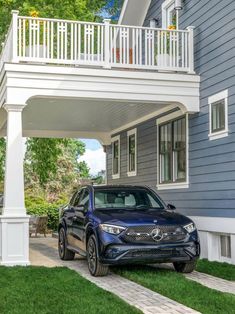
{"x": 107, "y": 44}
{"x": 191, "y": 49}
{"x": 14, "y": 35}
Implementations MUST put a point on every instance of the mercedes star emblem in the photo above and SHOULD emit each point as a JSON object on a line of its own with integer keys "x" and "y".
{"x": 156, "y": 234}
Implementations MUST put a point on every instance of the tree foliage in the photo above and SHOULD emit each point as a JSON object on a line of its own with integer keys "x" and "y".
{"x": 83, "y": 10}
{"x": 2, "y": 157}
{"x": 51, "y": 160}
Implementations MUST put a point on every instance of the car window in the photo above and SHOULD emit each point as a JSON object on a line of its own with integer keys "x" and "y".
{"x": 127, "y": 198}
{"x": 71, "y": 202}
{"x": 84, "y": 201}
{"x": 78, "y": 198}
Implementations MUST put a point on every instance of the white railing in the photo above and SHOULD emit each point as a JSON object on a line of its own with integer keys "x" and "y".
{"x": 7, "y": 48}
{"x": 100, "y": 44}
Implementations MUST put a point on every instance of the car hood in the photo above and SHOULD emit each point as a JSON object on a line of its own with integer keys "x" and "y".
{"x": 137, "y": 217}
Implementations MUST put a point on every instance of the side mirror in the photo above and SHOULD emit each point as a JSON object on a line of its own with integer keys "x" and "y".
{"x": 171, "y": 207}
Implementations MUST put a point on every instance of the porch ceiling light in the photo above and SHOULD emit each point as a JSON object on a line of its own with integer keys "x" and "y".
{"x": 178, "y": 5}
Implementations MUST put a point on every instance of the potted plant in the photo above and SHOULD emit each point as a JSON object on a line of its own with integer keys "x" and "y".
{"x": 163, "y": 58}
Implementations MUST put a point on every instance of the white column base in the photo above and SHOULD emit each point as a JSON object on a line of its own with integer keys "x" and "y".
{"x": 14, "y": 240}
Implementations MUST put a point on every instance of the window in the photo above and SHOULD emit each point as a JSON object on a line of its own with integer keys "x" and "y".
{"x": 85, "y": 200}
{"x": 77, "y": 198}
{"x": 126, "y": 198}
{"x": 116, "y": 157}
{"x": 131, "y": 153}
{"x": 172, "y": 151}
{"x": 169, "y": 14}
{"x": 218, "y": 115}
{"x": 225, "y": 247}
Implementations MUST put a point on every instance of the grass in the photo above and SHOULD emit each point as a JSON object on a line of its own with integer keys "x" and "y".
{"x": 175, "y": 286}
{"x": 40, "y": 290}
{"x": 217, "y": 269}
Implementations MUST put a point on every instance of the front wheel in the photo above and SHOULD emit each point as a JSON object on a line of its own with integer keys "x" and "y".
{"x": 187, "y": 267}
{"x": 95, "y": 267}
{"x": 64, "y": 253}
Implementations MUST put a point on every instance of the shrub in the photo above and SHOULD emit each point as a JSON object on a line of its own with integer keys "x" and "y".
{"x": 39, "y": 207}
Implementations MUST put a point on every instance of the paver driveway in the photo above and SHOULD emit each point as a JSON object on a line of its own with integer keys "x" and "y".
{"x": 43, "y": 252}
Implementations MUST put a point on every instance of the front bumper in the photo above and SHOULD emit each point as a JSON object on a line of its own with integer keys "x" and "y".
{"x": 115, "y": 254}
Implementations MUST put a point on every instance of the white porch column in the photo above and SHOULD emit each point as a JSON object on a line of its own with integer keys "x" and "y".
{"x": 14, "y": 233}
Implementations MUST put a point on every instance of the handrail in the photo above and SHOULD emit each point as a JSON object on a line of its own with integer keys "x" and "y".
{"x": 57, "y": 41}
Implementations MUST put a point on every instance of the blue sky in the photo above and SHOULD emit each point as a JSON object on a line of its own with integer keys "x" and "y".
{"x": 94, "y": 156}
{"x": 91, "y": 144}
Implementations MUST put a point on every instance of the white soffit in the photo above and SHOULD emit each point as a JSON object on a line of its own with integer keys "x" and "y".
{"x": 134, "y": 12}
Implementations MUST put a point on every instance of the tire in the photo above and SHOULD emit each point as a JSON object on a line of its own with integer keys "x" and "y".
{"x": 187, "y": 267}
{"x": 64, "y": 253}
{"x": 96, "y": 269}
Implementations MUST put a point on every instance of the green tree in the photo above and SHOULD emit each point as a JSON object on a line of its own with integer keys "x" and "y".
{"x": 2, "y": 157}
{"x": 83, "y": 10}
{"x": 49, "y": 159}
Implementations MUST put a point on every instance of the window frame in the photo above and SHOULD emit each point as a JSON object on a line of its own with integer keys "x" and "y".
{"x": 224, "y": 258}
{"x": 212, "y": 100}
{"x": 167, "y": 6}
{"x": 113, "y": 140}
{"x": 129, "y": 134}
{"x": 173, "y": 184}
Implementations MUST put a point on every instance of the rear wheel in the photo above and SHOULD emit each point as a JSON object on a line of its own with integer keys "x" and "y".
{"x": 64, "y": 253}
{"x": 187, "y": 267}
{"x": 95, "y": 267}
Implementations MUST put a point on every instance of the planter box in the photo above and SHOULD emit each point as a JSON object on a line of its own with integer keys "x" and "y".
{"x": 163, "y": 60}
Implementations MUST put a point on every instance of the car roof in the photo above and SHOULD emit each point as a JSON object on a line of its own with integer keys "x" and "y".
{"x": 117, "y": 186}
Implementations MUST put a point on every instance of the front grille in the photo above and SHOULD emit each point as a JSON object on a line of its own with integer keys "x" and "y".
{"x": 144, "y": 234}
{"x": 154, "y": 253}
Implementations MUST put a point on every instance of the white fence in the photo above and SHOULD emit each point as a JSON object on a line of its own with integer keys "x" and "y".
{"x": 99, "y": 44}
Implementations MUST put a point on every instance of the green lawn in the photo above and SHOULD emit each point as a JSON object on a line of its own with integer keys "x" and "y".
{"x": 221, "y": 270}
{"x": 177, "y": 287}
{"x": 40, "y": 290}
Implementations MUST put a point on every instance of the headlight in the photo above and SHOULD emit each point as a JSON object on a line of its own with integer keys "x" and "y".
{"x": 112, "y": 228}
{"x": 190, "y": 227}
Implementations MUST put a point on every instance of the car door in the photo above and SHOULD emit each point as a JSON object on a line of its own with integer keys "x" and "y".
{"x": 69, "y": 216}
{"x": 79, "y": 220}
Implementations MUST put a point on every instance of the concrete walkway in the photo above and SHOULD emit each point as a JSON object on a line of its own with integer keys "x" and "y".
{"x": 43, "y": 252}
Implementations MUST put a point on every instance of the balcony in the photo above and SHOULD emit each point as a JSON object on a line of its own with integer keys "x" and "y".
{"x": 100, "y": 45}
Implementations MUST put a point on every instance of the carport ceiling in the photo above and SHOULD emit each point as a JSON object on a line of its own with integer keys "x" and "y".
{"x": 82, "y": 115}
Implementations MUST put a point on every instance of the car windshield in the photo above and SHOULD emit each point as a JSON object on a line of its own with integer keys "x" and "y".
{"x": 126, "y": 199}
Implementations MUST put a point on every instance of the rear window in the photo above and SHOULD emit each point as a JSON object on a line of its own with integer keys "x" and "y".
{"x": 127, "y": 199}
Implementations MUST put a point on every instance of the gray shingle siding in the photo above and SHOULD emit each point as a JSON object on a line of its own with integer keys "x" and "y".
{"x": 211, "y": 163}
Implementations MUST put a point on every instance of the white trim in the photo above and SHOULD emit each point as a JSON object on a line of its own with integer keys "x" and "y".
{"x": 174, "y": 185}
{"x": 142, "y": 119}
{"x": 166, "y": 5}
{"x": 114, "y": 139}
{"x": 129, "y": 133}
{"x": 211, "y": 100}
{"x": 214, "y": 224}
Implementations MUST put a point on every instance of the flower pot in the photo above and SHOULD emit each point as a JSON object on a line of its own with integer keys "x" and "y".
{"x": 163, "y": 60}
{"x": 35, "y": 52}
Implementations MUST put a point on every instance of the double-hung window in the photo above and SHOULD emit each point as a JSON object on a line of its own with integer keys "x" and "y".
{"x": 172, "y": 153}
{"x": 116, "y": 157}
{"x": 131, "y": 153}
{"x": 218, "y": 115}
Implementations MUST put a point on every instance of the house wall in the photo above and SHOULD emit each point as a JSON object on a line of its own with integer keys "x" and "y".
{"x": 211, "y": 192}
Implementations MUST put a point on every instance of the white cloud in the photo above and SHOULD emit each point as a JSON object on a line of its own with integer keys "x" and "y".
{"x": 95, "y": 160}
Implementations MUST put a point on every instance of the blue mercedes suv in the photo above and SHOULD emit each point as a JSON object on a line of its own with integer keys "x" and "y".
{"x": 113, "y": 225}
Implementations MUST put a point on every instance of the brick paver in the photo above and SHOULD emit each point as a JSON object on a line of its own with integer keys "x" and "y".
{"x": 206, "y": 280}
{"x": 212, "y": 282}
{"x": 43, "y": 252}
